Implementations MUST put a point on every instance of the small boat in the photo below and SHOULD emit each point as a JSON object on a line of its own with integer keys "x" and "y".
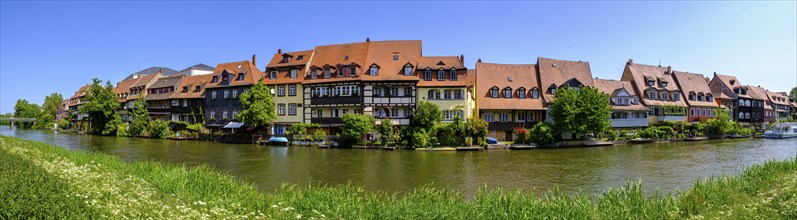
{"x": 491, "y": 140}
{"x": 782, "y": 130}
{"x": 641, "y": 140}
{"x": 278, "y": 141}
{"x": 695, "y": 138}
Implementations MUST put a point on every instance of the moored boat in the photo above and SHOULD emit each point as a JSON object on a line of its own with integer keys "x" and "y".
{"x": 782, "y": 130}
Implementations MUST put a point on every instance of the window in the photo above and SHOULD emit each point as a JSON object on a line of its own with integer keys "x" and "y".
{"x": 508, "y": 93}
{"x": 326, "y": 72}
{"x": 453, "y": 75}
{"x": 653, "y": 94}
{"x": 741, "y": 102}
{"x": 651, "y": 82}
{"x": 294, "y": 73}
{"x": 234, "y": 113}
{"x": 408, "y": 70}
{"x": 212, "y": 114}
{"x": 226, "y": 93}
{"x": 213, "y": 95}
{"x": 407, "y": 91}
{"x": 488, "y": 117}
{"x": 281, "y": 90}
{"x": 292, "y": 109}
{"x": 281, "y": 109}
{"x": 407, "y": 112}
{"x": 521, "y": 116}
{"x": 185, "y": 88}
{"x": 185, "y": 102}
{"x": 535, "y": 94}
{"x": 676, "y": 96}
{"x": 335, "y": 113}
{"x": 319, "y": 113}
{"x": 521, "y": 93}
{"x": 447, "y": 94}
{"x": 394, "y": 91}
{"x": 552, "y": 90}
{"x": 292, "y": 90}
{"x": 395, "y": 56}
{"x": 175, "y": 102}
{"x": 345, "y": 111}
{"x": 340, "y": 72}
{"x": 284, "y": 59}
{"x": 234, "y": 93}
{"x": 224, "y": 115}
{"x": 692, "y": 96}
{"x": 394, "y": 113}
{"x": 710, "y": 98}
{"x": 704, "y": 112}
{"x": 300, "y": 57}
{"x": 352, "y": 71}
{"x": 441, "y": 75}
{"x": 503, "y": 117}
{"x": 215, "y": 79}
{"x": 747, "y": 115}
{"x": 241, "y": 76}
{"x": 741, "y": 115}
{"x": 663, "y": 84}
{"x": 457, "y": 94}
{"x": 700, "y": 97}
{"x": 272, "y": 74}
{"x": 434, "y": 94}
{"x": 692, "y": 112}
{"x": 374, "y": 70}
{"x": 494, "y": 92}
{"x": 427, "y": 75}
{"x": 197, "y": 88}
{"x": 665, "y": 96}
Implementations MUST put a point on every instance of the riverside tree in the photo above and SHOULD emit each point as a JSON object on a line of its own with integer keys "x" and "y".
{"x": 25, "y": 109}
{"x": 793, "y": 94}
{"x": 140, "y": 116}
{"x": 580, "y": 111}
{"x": 101, "y": 106}
{"x": 355, "y": 126}
{"x": 49, "y": 111}
{"x": 385, "y": 130}
{"x": 257, "y": 106}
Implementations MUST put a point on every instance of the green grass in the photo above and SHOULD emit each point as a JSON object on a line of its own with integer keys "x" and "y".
{"x": 43, "y": 181}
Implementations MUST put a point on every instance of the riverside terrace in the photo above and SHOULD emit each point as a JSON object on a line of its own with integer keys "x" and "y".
{"x": 387, "y": 78}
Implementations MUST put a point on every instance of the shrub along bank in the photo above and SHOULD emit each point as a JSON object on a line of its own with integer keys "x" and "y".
{"x": 42, "y": 181}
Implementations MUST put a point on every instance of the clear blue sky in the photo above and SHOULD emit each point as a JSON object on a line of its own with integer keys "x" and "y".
{"x": 50, "y": 47}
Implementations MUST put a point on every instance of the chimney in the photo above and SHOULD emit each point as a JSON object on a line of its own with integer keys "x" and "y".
{"x": 462, "y": 59}
{"x": 630, "y": 62}
{"x": 279, "y": 50}
{"x": 254, "y": 60}
{"x": 367, "y": 39}
{"x": 479, "y": 60}
{"x": 669, "y": 69}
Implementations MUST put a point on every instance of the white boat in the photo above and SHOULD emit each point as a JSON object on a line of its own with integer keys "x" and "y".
{"x": 782, "y": 130}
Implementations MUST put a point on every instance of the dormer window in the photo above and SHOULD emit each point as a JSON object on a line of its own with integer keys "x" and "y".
{"x": 215, "y": 79}
{"x": 185, "y": 88}
{"x": 653, "y": 94}
{"x": 340, "y": 72}
{"x": 521, "y": 93}
{"x": 197, "y": 88}
{"x": 353, "y": 71}
{"x": 300, "y": 57}
{"x": 700, "y": 97}
{"x": 651, "y": 82}
{"x": 665, "y": 96}
{"x": 407, "y": 70}
{"x": 241, "y": 76}
{"x": 663, "y": 84}
{"x": 427, "y": 75}
{"x": 552, "y": 90}
{"x": 453, "y": 74}
{"x": 272, "y": 74}
{"x": 294, "y": 73}
{"x": 676, "y": 96}
{"x": 494, "y": 92}
{"x": 441, "y": 75}
{"x": 327, "y": 73}
{"x": 508, "y": 93}
{"x": 346, "y": 57}
{"x": 374, "y": 70}
{"x": 535, "y": 94}
{"x": 285, "y": 59}
{"x": 692, "y": 96}
{"x": 313, "y": 74}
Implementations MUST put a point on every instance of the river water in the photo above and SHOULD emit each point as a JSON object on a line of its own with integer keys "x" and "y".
{"x": 666, "y": 167}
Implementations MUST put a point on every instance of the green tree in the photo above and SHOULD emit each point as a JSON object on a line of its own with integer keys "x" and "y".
{"x": 355, "y": 126}
{"x": 793, "y": 94}
{"x": 101, "y": 105}
{"x": 24, "y": 109}
{"x": 257, "y": 106}
{"x": 542, "y": 133}
{"x": 426, "y": 115}
{"x": 49, "y": 111}
{"x": 158, "y": 128}
{"x": 141, "y": 119}
{"x": 720, "y": 125}
{"x": 385, "y": 130}
{"x": 476, "y": 128}
{"x": 580, "y": 111}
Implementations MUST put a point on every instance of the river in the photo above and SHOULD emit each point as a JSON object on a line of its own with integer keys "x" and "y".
{"x": 666, "y": 167}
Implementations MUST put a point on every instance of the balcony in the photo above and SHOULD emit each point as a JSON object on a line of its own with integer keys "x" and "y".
{"x": 630, "y": 122}
{"x": 159, "y": 109}
{"x": 508, "y": 126}
{"x": 326, "y": 121}
{"x": 335, "y": 100}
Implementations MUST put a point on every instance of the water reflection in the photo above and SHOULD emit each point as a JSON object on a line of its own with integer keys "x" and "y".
{"x": 664, "y": 166}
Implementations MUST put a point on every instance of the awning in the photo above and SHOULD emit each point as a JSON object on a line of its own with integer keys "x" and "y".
{"x": 233, "y": 124}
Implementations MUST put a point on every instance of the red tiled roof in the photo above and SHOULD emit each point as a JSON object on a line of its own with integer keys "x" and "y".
{"x": 611, "y": 87}
{"x": 730, "y": 82}
{"x": 192, "y": 82}
{"x": 492, "y": 75}
{"x": 779, "y": 98}
{"x": 381, "y": 53}
{"x": 641, "y": 72}
{"x": 558, "y": 72}
{"x": 694, "y": 82}
{"x": 276, "y": 60}
{"x": 252, "y": 74}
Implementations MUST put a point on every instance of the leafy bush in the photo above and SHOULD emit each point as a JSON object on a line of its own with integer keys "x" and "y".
{"x": 612, "y": 135}
{"x": 385, "y": 130}
{"x": 543, "y": 133}
{"x": 158, "y": 128}
{"x": 355, "y": 126}
{"x": 521, "y": 135}
{"x": 468, "y": 141}
{"x": 420, "y": 139}
{"x": 121, "y": 130}
{"x": 319, "y": 135}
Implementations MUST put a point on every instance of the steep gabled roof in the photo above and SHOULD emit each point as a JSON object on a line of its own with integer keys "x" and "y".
{"x": 381, "y": 53}
{"x": 252, "y": 74}
{"x": 152, "y": 70}
{"x": 143, "y": 80}
{"x": 164, "y": 82}
{"x": 492, "y": 75}
{"x": 558, "y": 72}
{"x": 199, "y": 66}
{"x": 276, "y": 60}
{"x": 779, "y": 98}
{"x": 611, "y": 87}
{"x": 283, "y": 77}
{"x": 758, "y": 93}
{"x": 437, "y": 62}
{"x": 694, "y": 82}
{"x": 640, "y": 73}
{"x": 191, "y": 82}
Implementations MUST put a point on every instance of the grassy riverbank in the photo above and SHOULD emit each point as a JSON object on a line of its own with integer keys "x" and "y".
{"x": 43, "y": 181}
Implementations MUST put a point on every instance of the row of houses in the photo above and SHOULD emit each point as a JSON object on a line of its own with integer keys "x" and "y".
{"x": 388, "y": 78}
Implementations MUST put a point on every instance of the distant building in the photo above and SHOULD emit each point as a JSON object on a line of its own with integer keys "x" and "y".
{"x": 228, "y": 82}
{"x": 736, "y": 97}
{"x": 508, "y": 96}
{"x": 285, "y": 73}
{"x": 196, "y": 70}
{"x": 627, "y": 110}
{"x": 159, "y": 102}
{"x": 658, "y": 91}
{"x": 699, "y": 97}
{"x": 164, "y": 71}
{"x": 189, "y": 97}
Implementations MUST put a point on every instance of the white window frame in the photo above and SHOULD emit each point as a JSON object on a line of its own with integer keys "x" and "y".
{"x": 374, "y": 71}
{"x": 408, "y": 70}
{"x": 281, "y": 90}
{"x": 226, "y": 94}
{"x": 521, "y": 93}
{"x": 292, "y": 90}
{"x": 489, "y": 117}
{"x": 503, "y": 117}
{"x": 427, "y": 75}
{"x": 294, "y": 73}
{"x": 441, "y": 75}
{"x": 213, "y": 115}
{"x": 272, "y": 74}
{"x": 234, "y": 93}
{"x": 453, "y": 75}
{"x": 292, "y": 109}
{"x": 281, "y": 109}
